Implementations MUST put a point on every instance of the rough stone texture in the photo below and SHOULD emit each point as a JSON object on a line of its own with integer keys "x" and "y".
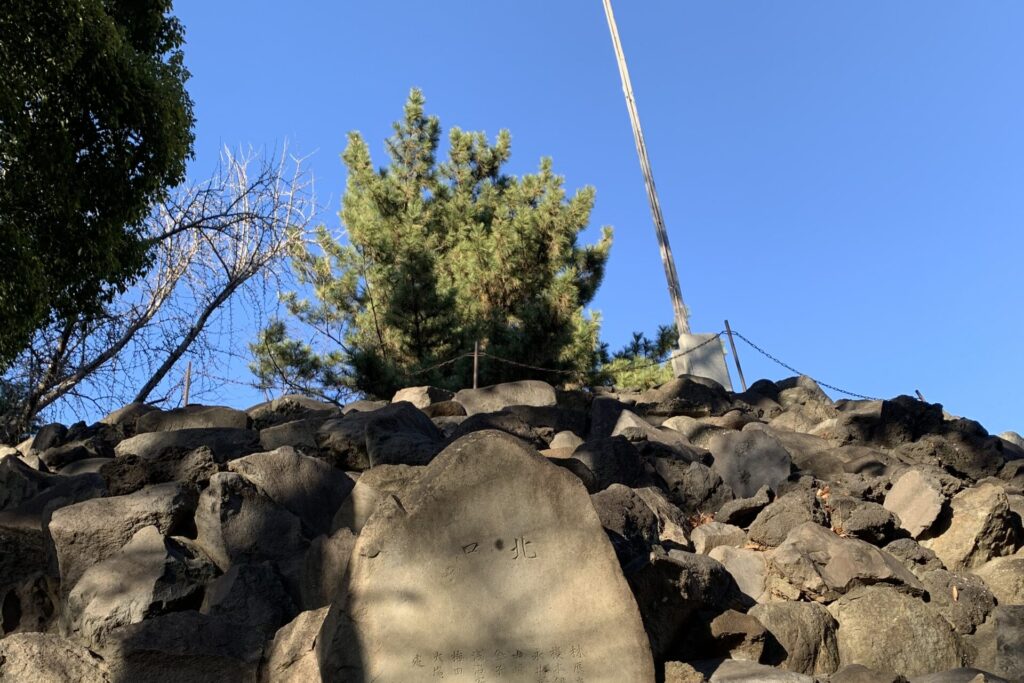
{"x": 566, "y": 439}
{"x": 671, "y": 521}
{"x": 681, "y": 672}
{"x": 444, "y": 409}
{"x": 19, "y": 482}
{"x": 1004, "y": 576}
{"x": 48, "y": 658}
{"x": 887, "y": 423}
{"x": 307, "y": 487}
{"x": 226, "y": 444}
{"x": 400, "y": 434}
{"x": 857, "y": 673}
{"x": 503, "y": 421}
{"x": 75, "y": 451}
{"x": 748, "y": 460}
{"x": 773, "y": 524}
{"x": 150, "y": 575}
{"x": 499, "y": 396}
{"x": 604, "y": 414}
{"x": 324, "y": 568}
{"x": 734, "y": 671}
{"x": 291, "y": 656}
{"x": 693, "y": 487}
{"x": 630, "y": 524}
{"x": 864, "y": 520}
{"x": 299, "y": 434}
{"x": 421, "y": 397}
{"x": 740, "y": 635}
{"x": 713, "y": 534}
{"x": 810, "y": 454}
{"x": 697, "y": 431}
{"x": 426, "y": 558}
{"x": 916, "y": 500}
{"x": 667, "y": 441}
{"x": 885, "y": 629}
{"x": 815, "y": 563}
{"x": 693, "y": 396}
{"x": 914, "y": 556}
{"x": 237, "y": 522}
{"x": 748, "y": 569}
{"x": 965, "y": 455}
{"x": 342, "y": 441}
{"x": 612, "y": 461}
{"x": 803, "y": 636}
{"x": 129, "y": 473}
{"x": 962, "y": 599}
{"x": 742, "y": 511}
{"x": 671, "y": 588}
{"x": 288, "y": 408}
{"x": 961, "y": 675}
{"x": 191, "y": 417}
{"x": 982, "y": 527}
{"x": 373, "y": 487}
{"x": 89, "y": 532}
{"x": 998, "y": 644}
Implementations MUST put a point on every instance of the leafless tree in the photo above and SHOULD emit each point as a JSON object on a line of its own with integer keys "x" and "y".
{"x": 215, "y": 245}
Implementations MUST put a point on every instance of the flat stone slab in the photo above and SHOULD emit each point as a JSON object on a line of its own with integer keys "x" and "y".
{"x": 493, "y": 566}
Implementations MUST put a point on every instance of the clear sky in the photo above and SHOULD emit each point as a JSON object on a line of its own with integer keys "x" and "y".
{"x": 843, "y": 181}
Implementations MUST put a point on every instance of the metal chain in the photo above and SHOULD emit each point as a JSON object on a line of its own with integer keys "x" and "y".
{"x": 794, "y": 370}
{"x": 441, "y": 364}
{"x": 524, "y": 365}
{"x": 677, "y": 354}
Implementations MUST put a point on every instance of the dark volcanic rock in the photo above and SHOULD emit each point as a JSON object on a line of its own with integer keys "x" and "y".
{"x": 612, "y": 461}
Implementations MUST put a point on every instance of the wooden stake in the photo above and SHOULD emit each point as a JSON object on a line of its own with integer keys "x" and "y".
{"x": 188, "y": 381}
{"x": 678, "y": 308}
{"x": 735, "y": 355}
{"x": 476, "y": 360}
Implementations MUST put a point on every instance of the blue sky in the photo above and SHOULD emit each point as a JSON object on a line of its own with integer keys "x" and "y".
{"x": 842, "y": 181}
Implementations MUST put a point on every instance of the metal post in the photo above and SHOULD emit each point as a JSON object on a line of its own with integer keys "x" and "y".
{"x": 735, "y": 356}
{"x": 476, "y": 360}
{"x": 920, "y": 396}
{"x": 188, "y": 381}
{"x": 678, "y": 308}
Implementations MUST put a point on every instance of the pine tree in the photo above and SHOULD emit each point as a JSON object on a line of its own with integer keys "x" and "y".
{"x": 440, "y": 255}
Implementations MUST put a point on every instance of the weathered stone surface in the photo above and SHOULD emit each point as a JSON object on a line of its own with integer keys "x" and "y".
{"x": 363, "y": 405}
{"x": 400, "y": 434}
{"x": 19, "y": 482}
{"x": 631, "y": 525}
{"x": 125, "y": 417}
{"x": 1004, "y": 576}
{"x": 740, "y": 635}
{"x": 237, "y": 522}
{"x": 773, "y": 524}
{"x": 604, "y": 415}
{"x": 74, "y": 451}
{"x": 499, "y": 396}
{"x": 734, "y": 671}
{"x": 810, "y": 454}
{"x": 681, "y": 672}
{"x": 307, "y": 487}
{"x": 803, "y": 636}
{"x": 804, "y": 392}
{"x": 612, "y": 461}
{"x": 503, "y": 421}
{"x": 150, "y": 575}
{"x": 693, "y": 487}
{"x": 291, "y": 657}
{"x": 225, "y": 444}
{"x": 671, "y": 521}
{"x": 742, "y": 511}
{"x": 697, "y": 431}
{"x": 693, "y": 396}
{"x": 324, "y": 568}
{"x": 670, "y": 442}
{"x": 886, "y": 629}
{"x": 86, "y": 466}
{"x": 48, "y": 658}
{"x": 421, "y": 397}
{"x": 914, "y": 556}
{"x": 857, "y": 673}
{"x": 671, "y": 588}
{"x": 299, "y": 434}
{"x": 444, "y": 409}
{"x": 427, "y": 558}
{"x": 887, "y": 423}
{"x": 982, "y": 527}
{"x": 191, "y": 417}
{"x": 998, "y": 644}
{"x": 916, "y": 500}
{"x": 965, "y": 455}
{"x": 864, "y": 520}
{"x": 713, "y": 534}
{"x": 89, "y": 532}
{"x": 342, "y": 441}
{"x": 960, "y": 675}
{"x": 289, "y": 408}
{"x": 372, "y": 487}
{"x": 962, "y": 599}
{"x": 820, "y": 565}
{"x": 566, "y": 439}
{"x": 748, "y": 569}
{"x": 129, "y": 473}
{"x": 750, "y": 459}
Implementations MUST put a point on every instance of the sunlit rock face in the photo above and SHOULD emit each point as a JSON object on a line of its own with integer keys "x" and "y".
{"x": 519, "y": 532}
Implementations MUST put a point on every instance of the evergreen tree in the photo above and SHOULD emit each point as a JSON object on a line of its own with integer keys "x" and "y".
{"x": 439, "y": 255}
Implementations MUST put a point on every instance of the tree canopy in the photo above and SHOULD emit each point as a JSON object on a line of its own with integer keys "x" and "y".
{"x": 95, "y": 125}
{"x": 440, "y": 255}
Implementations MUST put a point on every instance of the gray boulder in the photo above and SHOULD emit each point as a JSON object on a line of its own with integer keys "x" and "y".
{"x": 89, "y": 532}
{"x": 962, "y": 599}
{"x": 742, "y": 511}
{"x": 914, "y": 556}
{"x": 324, "y": 568}
{"x": 499, "y": 396}
{"x": 695, "y": 488}
{"x": 370, "y": 490}
{"x": 289, "y": 408}
{"x": 663, "y": 441}
{"x": 19, "y": 482}
{"x": 191, "y": 417}
{"x": 400, "y": 434}
{"x": 225, "y": 443}
{"x": 998, "y": 644}
{"x": 982, "y": 527}
{"x": 129, "y": 473}
{"x": 49, "y": 658}
{"x": 299, "y": 434}
{"x": 773, "y": 523}
{"x": 291, "y": 656}
{"x": 748, "y": 460}
{"x": 237, "y": 523}
{"x": 885, "y": 629}
{"x": 713, "y": 534}
{"x": 960, "y": 675}
{"x": 864, "y": 520}
{"x": 421, "y": 397}
{"x": 815, "y": 563}
{"x": 612, "y": 461}
{"x": 692, "y": 396}
{"x": 748, "y": 568}
{"x": 671, "y": 520}
{"x": 1005, "y": 578}
{"x": 307, "y": 487}
{"x": 630, "y": 524}
{"x": 803, "y": 637}
{"x": 917, "y": 500}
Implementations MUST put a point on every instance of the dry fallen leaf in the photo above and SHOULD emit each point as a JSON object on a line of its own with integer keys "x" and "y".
{"x": 956, "y": 594}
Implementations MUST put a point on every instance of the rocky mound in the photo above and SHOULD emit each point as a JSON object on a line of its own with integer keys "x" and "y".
{"x": 517, "y": 533}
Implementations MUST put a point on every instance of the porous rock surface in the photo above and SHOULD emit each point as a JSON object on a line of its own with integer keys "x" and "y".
{"x": 517, "y": 532}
